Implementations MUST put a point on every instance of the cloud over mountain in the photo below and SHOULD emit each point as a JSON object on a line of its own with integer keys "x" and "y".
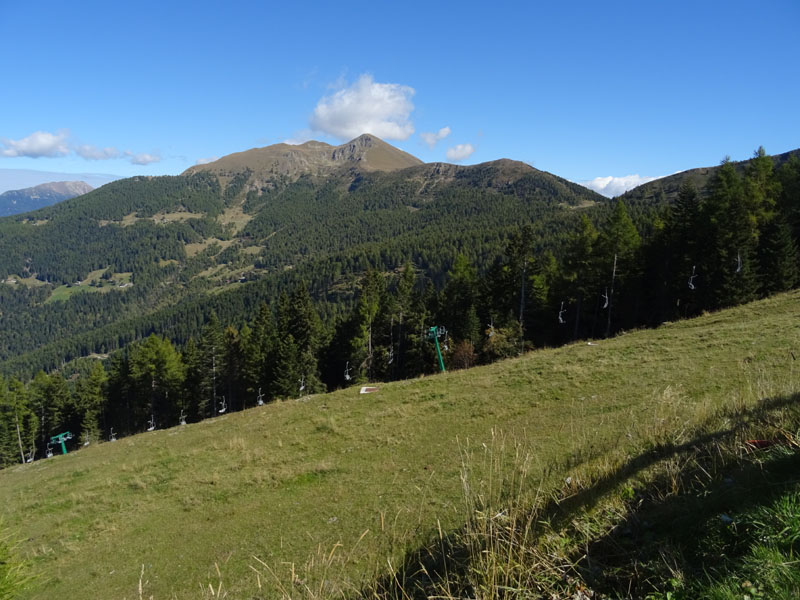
{"x": 614, "y": 186}
{"x": 460, "y": 152}
{"x": 433, "y": 138}
{"x": 382, "y": 109}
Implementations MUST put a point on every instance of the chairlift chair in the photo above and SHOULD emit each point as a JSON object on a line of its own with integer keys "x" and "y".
{"x": 223, "y": 406}
{"x": 691, "y": 278}
{"x": 260, "y": 400}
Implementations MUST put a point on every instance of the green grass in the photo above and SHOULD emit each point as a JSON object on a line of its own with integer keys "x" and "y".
{"x": 64, "y": 292}
{"x": 264, "y": 497}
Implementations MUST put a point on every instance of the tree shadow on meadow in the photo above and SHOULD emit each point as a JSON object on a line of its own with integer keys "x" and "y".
{"x": 690, "y": 487}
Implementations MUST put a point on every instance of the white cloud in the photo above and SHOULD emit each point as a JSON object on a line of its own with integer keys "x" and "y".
{"x": 52, "y": 145}
{"x": 433, "y": 138}
{"x": 382, "y": 109}
{"x": 142, "y": 158}
{"x": 460, "y": 152}
{"x": 300, "y": 137}
{"x": 37, "y": 145}
{"x": 614, "y": 186}
{"x": 205, "y": 161}
{"x": 90, "y": 152}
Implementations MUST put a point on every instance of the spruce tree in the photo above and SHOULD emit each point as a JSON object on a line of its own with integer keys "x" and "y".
{"x": 778, "y": 258}
{"x": 91, "y": 394}
{"x": 211, "y": 352}
{"x": 731, "y": 235}
{"x": 580, "y": 274}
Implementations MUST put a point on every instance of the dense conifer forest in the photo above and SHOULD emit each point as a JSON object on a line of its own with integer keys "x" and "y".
{"x": 348, "y": 282}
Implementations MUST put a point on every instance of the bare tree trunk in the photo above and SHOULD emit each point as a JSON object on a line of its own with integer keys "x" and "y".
{"x": 19, "y": 437}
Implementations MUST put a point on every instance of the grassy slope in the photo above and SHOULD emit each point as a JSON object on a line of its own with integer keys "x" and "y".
{"x": 278, "y": 481}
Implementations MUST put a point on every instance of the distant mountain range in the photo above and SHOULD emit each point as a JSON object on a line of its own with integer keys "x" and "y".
{"x": 14, "y": 202}
{"x": 17, "y": 179}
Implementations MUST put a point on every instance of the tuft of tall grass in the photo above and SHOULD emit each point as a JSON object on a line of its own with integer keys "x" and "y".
{"x": 15, "y": 575}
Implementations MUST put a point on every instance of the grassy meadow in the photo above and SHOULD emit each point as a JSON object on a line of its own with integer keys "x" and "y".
{"x": 320, "y": 496}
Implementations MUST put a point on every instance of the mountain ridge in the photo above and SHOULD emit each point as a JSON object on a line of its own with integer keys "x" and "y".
{"x": 665, "y": 189}
{"x": 24, "y": 200}
{"x": 366, "y": 152}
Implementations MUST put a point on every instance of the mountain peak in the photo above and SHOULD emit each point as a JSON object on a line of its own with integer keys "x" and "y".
{"x": 367, "y": 152}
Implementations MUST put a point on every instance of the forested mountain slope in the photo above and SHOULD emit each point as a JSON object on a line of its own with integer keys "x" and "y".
{"x": 665, "y": 190}
{"x": 157, "y": 254}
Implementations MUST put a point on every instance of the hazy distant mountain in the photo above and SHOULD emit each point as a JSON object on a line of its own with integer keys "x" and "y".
{"x": 14, "y": 202}
{"x": 17, "y": 179}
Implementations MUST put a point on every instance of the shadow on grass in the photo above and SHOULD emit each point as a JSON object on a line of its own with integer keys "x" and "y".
{"x": 691, "y": 487}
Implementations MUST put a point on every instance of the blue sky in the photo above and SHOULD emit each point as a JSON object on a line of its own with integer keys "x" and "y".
{"x": 582, "y": 89}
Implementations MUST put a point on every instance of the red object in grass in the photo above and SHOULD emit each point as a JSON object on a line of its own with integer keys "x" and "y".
{"x": 760, "y": 444}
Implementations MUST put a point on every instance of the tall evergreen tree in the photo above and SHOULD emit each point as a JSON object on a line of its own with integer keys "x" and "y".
{"x": 580, "y": 274}
{"x": 211, "y": 351}
{"x": 232, "y": 361}
{"x": 194, "y": 393}
{"x": 731, "y": 240}
{"x": 682, "y": 253}
{"x": 91, "y": 394}
{"x": 263, "y": 352}
{"x": 778, "y": 258}
{"x": 157, "y": 375}
{"x": 460, "y": 301}
{"x": 618, "y": 262}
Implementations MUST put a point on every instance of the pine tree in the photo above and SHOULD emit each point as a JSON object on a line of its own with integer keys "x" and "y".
{"x": 157, "y": 374}
{"x": 580, "y": 273}
{"x": 286, "y": 382}
{"x": 18, "y": 424}
{"x": 304, "y": 329}
{"x": 460, "y": 299}
{"x": 191, "y": 401}
{"x": 683, "y": 237}
{"x": 231, "y": 371}
{"x": 778, "y": 258}
{"x": 211, "y": 350}
{"x": 731, "y": 234}
{"x": 251, "y": 364}
{"x": 91, "y": 395}
{"x": 263, "y": 353}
